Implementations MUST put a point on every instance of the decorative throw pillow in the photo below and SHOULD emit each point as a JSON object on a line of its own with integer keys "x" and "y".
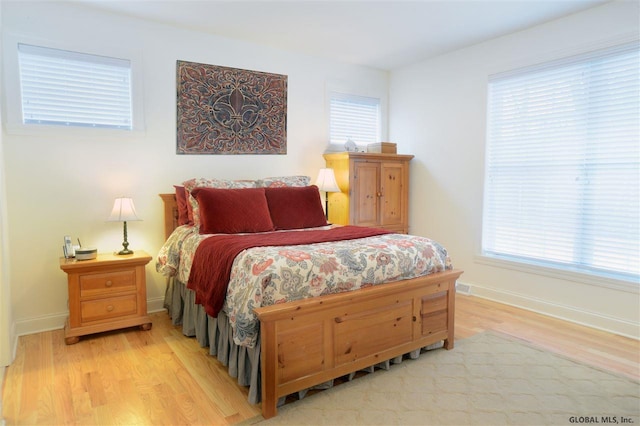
{"x": 295, "y": 207}
{"x": 279, "y": 181}
{"x": 183, "y": 210}
{"x": 191, "y": 184}
{"x": 232, "y": 211}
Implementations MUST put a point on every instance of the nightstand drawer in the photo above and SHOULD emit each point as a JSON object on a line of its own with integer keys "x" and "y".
{"x": 107, "y": 283}
{"x": 101, "y": 309}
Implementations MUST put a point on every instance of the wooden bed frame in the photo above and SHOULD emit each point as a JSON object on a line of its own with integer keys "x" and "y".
{"x": 311, "y": 341}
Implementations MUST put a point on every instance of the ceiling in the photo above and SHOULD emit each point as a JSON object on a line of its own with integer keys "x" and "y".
{"x": 375, "y": 33}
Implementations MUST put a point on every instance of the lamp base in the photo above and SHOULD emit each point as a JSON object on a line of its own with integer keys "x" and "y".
{"x": 326, "y": 205}
{"x": 125, "y": 243}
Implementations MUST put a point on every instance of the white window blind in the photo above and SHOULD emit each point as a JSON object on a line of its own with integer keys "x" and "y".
{"x": 562, "y": 170}
{"x": 354, "y": 117}
{"x": 67, "y": 88}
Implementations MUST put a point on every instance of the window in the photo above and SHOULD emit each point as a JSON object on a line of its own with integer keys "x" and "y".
{"x": 60, "y": 87}
{"x": 354, "y": 117}
{"x": 562, "y": 170}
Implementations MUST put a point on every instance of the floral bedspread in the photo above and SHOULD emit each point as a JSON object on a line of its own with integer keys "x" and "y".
{"x": 265, "y": 276}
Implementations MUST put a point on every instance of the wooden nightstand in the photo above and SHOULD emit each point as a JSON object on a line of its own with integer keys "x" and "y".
{"x": 106, "y": 293}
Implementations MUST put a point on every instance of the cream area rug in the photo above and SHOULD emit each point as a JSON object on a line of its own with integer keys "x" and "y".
{"x": 487, "y": 379}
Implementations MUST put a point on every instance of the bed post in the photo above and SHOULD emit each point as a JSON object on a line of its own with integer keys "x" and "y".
{"x": 451, "y": 310}
{"x": 170, "y": 213}
{"x": 269, "y": 367}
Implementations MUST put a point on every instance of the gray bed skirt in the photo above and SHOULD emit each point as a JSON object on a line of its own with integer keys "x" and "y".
{"x": 243, "y": 363}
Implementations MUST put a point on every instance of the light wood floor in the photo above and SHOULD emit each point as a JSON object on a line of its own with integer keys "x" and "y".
{"x": 160, "y": 377}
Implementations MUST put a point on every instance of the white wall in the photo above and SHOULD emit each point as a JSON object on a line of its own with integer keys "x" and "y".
{"x": 61, "y": 184}
{"x": 438, "y": 110}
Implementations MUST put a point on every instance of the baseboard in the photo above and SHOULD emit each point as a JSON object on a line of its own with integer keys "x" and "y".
{"x": 2, "y": 372}
{"x": 14, "y": 343}
{"x": 155, "y": 305}
{"x": 56, "y": 321}
{"x": 556, "y": 310}
{"x": 40, "y": 324}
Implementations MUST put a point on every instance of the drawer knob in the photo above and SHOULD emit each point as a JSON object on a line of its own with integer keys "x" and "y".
{"x": 109, "y": 308}
{"x": 109, "y": 283}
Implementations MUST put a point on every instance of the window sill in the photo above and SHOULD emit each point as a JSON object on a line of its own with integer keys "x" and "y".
{"x": 579, "y": 277}
{"x": 71, "y": 131}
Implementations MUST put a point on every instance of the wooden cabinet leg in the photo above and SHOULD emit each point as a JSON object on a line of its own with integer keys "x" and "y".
{"x": 71, "y": 340}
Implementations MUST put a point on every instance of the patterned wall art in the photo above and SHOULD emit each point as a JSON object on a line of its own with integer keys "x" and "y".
{"x": 224, "y": 110}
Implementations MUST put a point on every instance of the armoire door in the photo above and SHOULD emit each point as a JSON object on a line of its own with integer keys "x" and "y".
{"x": 365, "y": 194}
{"x": 393, "y": 194}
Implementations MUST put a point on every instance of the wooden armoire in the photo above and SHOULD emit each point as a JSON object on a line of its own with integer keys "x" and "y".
{"x": 374, "y": 190}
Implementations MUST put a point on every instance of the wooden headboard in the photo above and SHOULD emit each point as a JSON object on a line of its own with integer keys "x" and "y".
{"x": 170, "y": 213}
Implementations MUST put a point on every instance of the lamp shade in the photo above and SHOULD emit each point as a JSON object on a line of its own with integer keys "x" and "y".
{"x": 327, "y": 181}
{"x": 123, "y": 211}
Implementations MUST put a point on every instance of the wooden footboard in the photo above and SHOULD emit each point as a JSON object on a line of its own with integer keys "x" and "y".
{"x": 311, "y": 341}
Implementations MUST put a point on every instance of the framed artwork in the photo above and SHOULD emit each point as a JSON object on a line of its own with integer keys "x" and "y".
{"x": 223, "y": 110}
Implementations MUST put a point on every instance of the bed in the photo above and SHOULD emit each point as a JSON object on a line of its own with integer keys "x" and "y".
{"x": 278, "y": 346}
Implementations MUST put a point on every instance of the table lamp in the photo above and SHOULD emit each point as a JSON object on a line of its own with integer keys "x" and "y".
{"x": 123, "y": 211}
{"x": 326, "y": 182}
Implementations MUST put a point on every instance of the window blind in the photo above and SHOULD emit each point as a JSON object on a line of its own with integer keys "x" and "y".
{"x": 67, "y": 88}
{"x": 354, "y": 117}
{"x": 562, "y": 177}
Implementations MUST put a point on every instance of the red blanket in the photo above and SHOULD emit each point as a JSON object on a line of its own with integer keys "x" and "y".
{"x": 214, "y": 257}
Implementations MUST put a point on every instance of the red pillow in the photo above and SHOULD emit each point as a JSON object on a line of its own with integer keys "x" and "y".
{"x": 230, "y": 211}
{"x": 295, "y": 207}
{"x": 181, "y": 200}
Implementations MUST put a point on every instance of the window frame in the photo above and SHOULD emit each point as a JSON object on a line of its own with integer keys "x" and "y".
{"x": 533, "y": 266}
{"x": 359, "y": 100}
{"x": 12, "y": 111}
{"x": 356, "y": 91}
